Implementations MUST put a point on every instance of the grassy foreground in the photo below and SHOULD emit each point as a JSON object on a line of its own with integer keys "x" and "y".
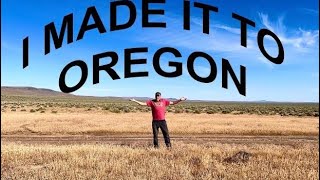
{"x": 28, "y": 116}
{"x": 184, "y": 161}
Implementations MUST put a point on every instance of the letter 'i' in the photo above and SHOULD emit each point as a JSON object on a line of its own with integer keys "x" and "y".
{"x": 186, "y": 15}
{"x": 25, "y": 53}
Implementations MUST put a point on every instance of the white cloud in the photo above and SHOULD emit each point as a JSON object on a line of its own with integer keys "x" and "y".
{"x": 175, "y": 35}
{"x": 311, "y": 11}
{"x": 299, "y": 44}
{"x": 227, "y": 28}
{"x": 300, "y": 39}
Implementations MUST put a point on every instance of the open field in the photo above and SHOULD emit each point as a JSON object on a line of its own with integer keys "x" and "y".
{"x": 40, "y": 104}
{"x": 90, "y": 138}
{"x": 105, "y": 123}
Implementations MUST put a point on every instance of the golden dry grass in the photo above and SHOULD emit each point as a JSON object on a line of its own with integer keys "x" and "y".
{"x": 185, "y": 161}
{"x": 182, "y": 162}
{"x": 100, "y": 123}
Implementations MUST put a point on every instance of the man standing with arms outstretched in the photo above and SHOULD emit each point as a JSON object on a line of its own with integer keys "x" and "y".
{"x": 158, "y": 107}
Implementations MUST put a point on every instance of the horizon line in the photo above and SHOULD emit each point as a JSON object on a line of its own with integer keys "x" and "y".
{"x": 207, "y": 100}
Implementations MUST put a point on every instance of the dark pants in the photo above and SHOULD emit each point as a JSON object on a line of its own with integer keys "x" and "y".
{"x": 155, "y": 129}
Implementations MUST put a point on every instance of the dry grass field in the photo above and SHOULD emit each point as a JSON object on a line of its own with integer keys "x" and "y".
{"x": 104, "y": 123}
{"x": 71, "y": 139}
{"x": 184, "y": 161}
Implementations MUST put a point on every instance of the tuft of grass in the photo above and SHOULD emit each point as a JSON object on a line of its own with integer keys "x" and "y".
{"x": 197, "y": 111}
{"x": 115, "y": 110}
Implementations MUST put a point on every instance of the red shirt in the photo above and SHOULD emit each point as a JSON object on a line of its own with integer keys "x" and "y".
{"x": 158, "y": 108}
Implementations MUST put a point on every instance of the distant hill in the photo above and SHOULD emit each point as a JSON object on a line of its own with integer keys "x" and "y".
{"x": 43, "y": 92}
{"x": 30, "y": 91}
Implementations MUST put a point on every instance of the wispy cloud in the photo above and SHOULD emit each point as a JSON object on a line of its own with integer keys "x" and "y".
{"x": 217, "y": 41}
{"x": 300, "y": 39}
{"x": 228, "y": 28}
{"x": 224, "y": 39}
{"x": 310, "y": 11}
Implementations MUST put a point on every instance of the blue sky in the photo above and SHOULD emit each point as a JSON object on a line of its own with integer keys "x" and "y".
{"x": 295, "y": 23}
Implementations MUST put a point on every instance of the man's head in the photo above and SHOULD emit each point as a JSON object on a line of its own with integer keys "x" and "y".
{"x": 158, "y": 96}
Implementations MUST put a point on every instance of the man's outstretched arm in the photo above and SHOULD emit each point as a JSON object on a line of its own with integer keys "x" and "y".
{"x": 177, "y": 101}
{"x": 139, "y": 102}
